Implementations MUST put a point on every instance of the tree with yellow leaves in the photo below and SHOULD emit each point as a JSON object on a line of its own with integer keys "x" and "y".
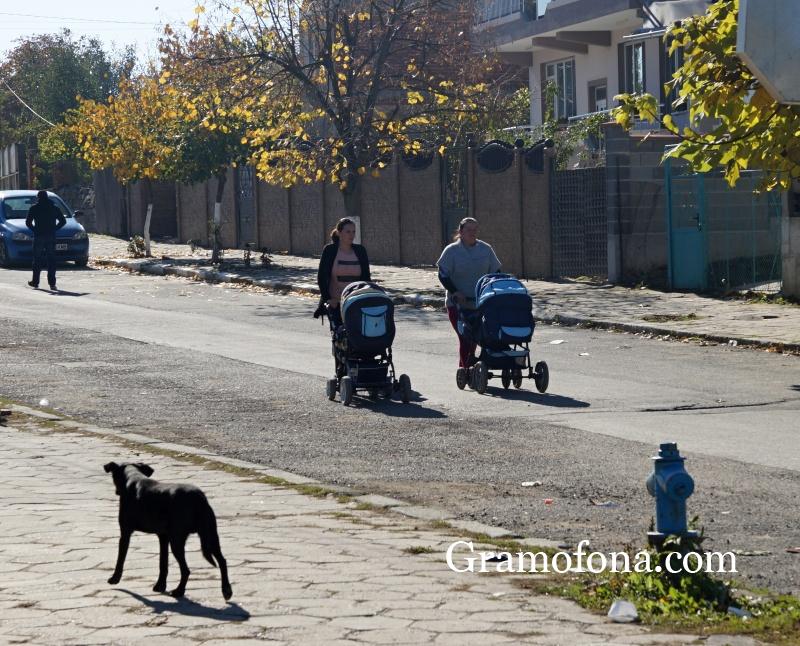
{"x": 734, "y": 123}
{"x": 332, "y": 89}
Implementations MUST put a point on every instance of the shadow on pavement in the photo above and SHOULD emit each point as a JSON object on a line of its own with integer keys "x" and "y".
{"x": 795, "y": 387}
{"x": 64, "y": 292}
{"x": 541, "y": 399}
{"x": 184, "y": 606}
{"x": 396, "y": 408}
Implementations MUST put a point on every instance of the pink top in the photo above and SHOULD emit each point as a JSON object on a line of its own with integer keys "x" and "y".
{"x": 346, "y": 269}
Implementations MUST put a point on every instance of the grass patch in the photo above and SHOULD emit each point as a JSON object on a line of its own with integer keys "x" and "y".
{"x": 667, "y": 318}
{"x": 419, "y": 549}
{"x": 764, "y": 298}
{"x": 680, "y": 602}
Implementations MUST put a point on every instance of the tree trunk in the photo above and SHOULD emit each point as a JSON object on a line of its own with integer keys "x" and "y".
{"x": 352, "y": 204}
{"x": 216, "y": 225}
{"x": 147, "y": 185}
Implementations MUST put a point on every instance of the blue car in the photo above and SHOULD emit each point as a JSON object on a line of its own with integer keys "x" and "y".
{"x": 16, "y": 239}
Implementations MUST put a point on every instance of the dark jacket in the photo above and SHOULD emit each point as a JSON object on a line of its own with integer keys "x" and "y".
{"x": 44, "y": 219}
{"x": 326, "y": 267}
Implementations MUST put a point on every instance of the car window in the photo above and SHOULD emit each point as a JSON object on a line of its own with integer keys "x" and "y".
{"x": 17, "y": 207}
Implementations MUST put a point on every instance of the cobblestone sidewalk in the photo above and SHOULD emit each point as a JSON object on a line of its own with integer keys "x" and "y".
{"x": 304, "y": 570}
{"x": 571, "y": 303}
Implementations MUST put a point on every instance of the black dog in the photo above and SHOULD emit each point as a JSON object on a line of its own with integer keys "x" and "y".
{"x": 173, "y": 511}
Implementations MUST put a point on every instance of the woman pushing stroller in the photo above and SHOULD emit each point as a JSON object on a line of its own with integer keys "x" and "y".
{"x": 461, "y": 265}
{"x": 489, "y": 309}
{"x": 361, "y": 316}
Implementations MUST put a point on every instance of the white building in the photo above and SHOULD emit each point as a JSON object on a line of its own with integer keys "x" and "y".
{"x": 591, "y": 49}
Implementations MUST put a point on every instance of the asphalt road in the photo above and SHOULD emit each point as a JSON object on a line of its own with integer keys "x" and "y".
{"x": 242, "y": 372}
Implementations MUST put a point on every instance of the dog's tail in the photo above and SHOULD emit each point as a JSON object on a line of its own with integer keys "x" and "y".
{"x": 207, "y": 530}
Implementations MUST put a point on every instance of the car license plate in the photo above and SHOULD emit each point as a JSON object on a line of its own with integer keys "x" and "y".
{"x": 62, "y": 247}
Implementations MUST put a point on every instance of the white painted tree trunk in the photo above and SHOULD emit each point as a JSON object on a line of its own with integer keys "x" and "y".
{"x": 147, "y": 229}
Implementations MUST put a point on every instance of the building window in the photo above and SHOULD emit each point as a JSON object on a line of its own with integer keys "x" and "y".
{"x": 598, "y": 95}
{"x": 633, "y": 68}
{"x": 561, "y": 75}
{"x": 673, "y": 63}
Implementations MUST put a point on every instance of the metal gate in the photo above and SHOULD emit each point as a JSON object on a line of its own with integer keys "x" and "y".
{"x": 578, "y": 221}
{"x": 455, "y": 190}
{"x": 722, "y": 239}
{"x": 246, "y": 205}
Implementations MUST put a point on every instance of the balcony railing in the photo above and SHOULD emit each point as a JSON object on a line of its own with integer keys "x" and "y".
{"x": 489, "y": 10}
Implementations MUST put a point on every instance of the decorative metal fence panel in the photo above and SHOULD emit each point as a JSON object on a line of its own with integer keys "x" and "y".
{"x": 578, "y": 223}
{"x": 736, "y": 232}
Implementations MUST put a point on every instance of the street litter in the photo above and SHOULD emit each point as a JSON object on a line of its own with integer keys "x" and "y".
{"x": 583, "y": 354}
{"x": 557, "y": 342}
{"x": 44, "y": 402}
{"x": 548, "y": 501}
{"x": 793, "y": 550}
{"x": 532, "y": 483}
{"x": 608, "y": 503}
{"x": 738, "y": 612}
{"x": 622, "y": 612}
{"x": 733, "y": 343}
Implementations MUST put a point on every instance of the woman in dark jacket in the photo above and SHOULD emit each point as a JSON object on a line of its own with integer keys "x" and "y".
{"x": 343, "y": 262}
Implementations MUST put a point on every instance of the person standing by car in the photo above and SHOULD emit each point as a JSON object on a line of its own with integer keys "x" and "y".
{"x": 343, "y": 262}
{"x": 44, "y": 219}
{"x": 461, "y": 264}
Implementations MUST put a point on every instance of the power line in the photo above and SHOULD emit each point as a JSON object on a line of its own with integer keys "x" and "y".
{"x": 118, "y": 22}
{"x": 50, "y": 123}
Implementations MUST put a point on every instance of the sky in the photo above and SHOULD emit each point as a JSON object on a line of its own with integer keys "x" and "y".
{"x": 116, "y": 23}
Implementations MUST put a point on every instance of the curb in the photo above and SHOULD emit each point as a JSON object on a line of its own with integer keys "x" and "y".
{"x": 398, "y": 507}
{"x": 437, "y": 302}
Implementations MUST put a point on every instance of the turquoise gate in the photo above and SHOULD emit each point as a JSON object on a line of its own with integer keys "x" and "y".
{"x": 721, "y": 239}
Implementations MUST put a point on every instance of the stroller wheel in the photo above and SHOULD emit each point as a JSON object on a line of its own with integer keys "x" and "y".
{"x": 405, "y": 388}
{"x": 330, "y": 389}
{"x": 541, "y": 376}
{"x": 461, "y": 378}
{"x": 346, "y": 391}
{"x": 471, "y": 377}
{"x": 480, "y": 377}
{"x": 516, "y": 378}
{"x": 506, "y": 379}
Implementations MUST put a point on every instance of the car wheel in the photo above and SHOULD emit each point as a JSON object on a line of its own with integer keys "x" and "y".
{"x": 346, "y": 391}
{"x": 4, "y": 261}
{"x": 82, "y": 262}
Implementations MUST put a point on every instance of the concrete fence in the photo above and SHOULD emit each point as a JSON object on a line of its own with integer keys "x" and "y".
{"x": 401, "y": 213}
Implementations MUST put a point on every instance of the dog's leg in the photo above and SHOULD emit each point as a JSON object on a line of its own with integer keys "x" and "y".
{"x": 227, "y": 591}
{"x": 178, "y": 544}
{"x": 124, "y": 541}
{"x": 163, "y": 563}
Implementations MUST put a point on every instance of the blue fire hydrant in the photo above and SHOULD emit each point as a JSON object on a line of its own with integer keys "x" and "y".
{"x": 671, "y": 486}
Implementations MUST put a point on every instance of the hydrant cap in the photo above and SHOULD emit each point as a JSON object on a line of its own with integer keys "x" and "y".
{"x": 679, "y": 485}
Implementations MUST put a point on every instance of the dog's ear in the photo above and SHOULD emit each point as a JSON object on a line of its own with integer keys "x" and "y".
{"x": 111, "y": 466}
{"x": 145, "y": 468}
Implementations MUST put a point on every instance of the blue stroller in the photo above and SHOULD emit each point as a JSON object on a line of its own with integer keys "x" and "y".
{"x": 502, "y": 325}
{"x": 362, "y": 346}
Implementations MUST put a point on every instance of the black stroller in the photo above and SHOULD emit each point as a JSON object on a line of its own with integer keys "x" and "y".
{"x": 362, "y": 346}
{"x": 502, "y": 325}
